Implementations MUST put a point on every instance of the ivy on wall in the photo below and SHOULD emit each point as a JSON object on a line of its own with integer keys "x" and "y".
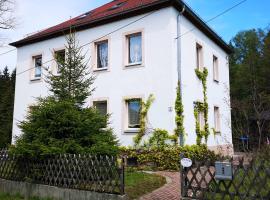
{"x": 202, "y": 107}
{"x": 179, "y": 117}
{"x": 145, "y": 106}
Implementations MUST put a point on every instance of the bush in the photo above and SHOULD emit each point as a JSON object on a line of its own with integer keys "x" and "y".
{"x": 53, "y": 127}
{"x": 168, "y": 157}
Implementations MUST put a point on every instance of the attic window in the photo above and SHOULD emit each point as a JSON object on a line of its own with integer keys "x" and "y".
{"x": 118, "y": 5}
{"x": 84, "y": 15}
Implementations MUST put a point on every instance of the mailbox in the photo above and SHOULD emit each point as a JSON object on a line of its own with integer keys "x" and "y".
{"x": 224, "y": 171}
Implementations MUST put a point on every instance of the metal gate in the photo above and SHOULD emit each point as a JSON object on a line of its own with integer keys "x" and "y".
{"x": 231, "y": 180}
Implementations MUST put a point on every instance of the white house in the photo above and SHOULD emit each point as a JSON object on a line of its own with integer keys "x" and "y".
{"x": 137, "y": 48}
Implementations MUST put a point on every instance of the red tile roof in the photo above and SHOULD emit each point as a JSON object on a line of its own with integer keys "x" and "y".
{"x": 112, "y": 11}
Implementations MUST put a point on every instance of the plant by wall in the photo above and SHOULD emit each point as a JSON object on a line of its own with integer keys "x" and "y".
{"x": 179, "y": 117}
{"x": 145, "y": 106}
{"x": 202, "y": 107}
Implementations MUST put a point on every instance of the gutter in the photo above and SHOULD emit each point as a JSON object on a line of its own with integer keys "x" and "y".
{"x": 179, "y": 59}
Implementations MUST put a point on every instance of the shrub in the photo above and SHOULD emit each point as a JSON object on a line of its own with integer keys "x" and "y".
{"x": 168, "y": 157}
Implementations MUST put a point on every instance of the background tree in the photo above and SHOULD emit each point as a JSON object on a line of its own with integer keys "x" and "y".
{"x": 250, "y": 91}
{"x": 7, "y": 20}
{"x": 60, "y": 123}
{"x": 7, "y": 88}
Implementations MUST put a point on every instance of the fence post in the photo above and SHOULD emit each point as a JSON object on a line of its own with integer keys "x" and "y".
{"x": 181, "y": 176}
{"x": 122, "y": 177}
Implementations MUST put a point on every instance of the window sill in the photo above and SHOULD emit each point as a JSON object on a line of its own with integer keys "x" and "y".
{"x": 36, "y": 79}
{"x": 131, "y": 131}
{"x": 101, "y": 69}
{"x": 133, "y": 65}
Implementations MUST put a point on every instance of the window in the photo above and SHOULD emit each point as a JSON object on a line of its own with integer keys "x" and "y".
{"x": 217, "y": 119}
{"x": 102, "y": 54}
{"x": 60, "y": 57}
{"x": 101, "y": 106}
{"x": 38, "y": 64}
{"x": 134, "y": 49}
{"x": 199, "y": 57}
{"x": 215, "y": 69}
{"x": 201, "y": 120}
{"x": 133, "y": 108}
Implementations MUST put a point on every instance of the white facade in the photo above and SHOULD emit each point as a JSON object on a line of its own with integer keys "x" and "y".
{"x": 158, "y": 74}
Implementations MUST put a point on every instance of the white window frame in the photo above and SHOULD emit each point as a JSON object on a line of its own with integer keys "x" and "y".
{"x": 126, "y": 49}
{"x": 217, "y": 120}
{"x": 201, "y": 120}
{"x": 199, "y": 56}
{"x": 33, "y": 76}
{"x": 101, "y": 101}
{"x": 125, "y": 115}
{"x": 56, "y": 65}
{"x": 215, "y": 69}
{"x": 94, "y": 54}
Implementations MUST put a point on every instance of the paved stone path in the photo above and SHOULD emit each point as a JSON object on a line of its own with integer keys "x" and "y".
{"x": 170, "y": 191}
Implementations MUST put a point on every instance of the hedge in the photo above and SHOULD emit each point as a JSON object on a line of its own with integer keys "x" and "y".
{"x": 168, "y": 158}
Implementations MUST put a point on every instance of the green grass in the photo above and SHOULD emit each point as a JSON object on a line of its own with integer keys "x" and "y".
{"x": 17, "y": 197}
{"x": 140, "y": 183}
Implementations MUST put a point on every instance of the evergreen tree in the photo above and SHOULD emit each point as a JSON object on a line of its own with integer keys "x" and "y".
{"x": 74, "y": 79}
{"x": 7, "y": 88}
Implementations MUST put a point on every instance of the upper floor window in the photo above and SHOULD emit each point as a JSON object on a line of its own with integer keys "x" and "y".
{"x": 215, "y": 69}
{"x": 37, "y": 67}
{"x": 101, "y": 106}
{"x": 60, "y": 57}
{"x": 133, "y": 109}
{"x": 134, "y": 48}
{"x": 102, "y": 54}
{"x": 217, "y": 119}
{"x": 199, "y": 57}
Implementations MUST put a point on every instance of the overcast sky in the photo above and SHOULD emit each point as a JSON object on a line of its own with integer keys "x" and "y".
{"x": 34, "y": 15}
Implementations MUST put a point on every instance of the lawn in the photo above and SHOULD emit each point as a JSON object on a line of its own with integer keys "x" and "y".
{"x": 140, "y": 183}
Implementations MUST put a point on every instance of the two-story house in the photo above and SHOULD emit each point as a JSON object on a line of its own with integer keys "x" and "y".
{"x": 137, "y": 48}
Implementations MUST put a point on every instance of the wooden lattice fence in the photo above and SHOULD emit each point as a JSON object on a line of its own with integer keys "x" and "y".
{"x": 251, "y": 181}
{"x": 83, "y": 172}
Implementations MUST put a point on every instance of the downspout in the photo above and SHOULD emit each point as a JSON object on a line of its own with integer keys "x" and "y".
{"x": 179, "y": 60}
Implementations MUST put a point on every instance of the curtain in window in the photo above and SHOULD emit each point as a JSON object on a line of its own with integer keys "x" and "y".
{"x": 38, "y": 63}
{"x": 135, "y": 48}
{"x": 134, "y": 113}
{"x": 102, "y": 55}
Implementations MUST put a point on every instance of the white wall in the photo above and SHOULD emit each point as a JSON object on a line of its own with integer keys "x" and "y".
{"x": 217, "y": 93}
{"x": 158, "y": 76}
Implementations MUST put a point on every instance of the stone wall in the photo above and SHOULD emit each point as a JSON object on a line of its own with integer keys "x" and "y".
{"x": 34, "y": 190}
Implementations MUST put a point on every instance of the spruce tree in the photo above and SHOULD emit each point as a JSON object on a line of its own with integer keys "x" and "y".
{"x": 74, "y": 79}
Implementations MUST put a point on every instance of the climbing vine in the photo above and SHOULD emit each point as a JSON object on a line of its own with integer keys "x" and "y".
{"x": 202, "y": 107}
{"x": 145, "y": 106}
{"x": 179, "y": 117}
